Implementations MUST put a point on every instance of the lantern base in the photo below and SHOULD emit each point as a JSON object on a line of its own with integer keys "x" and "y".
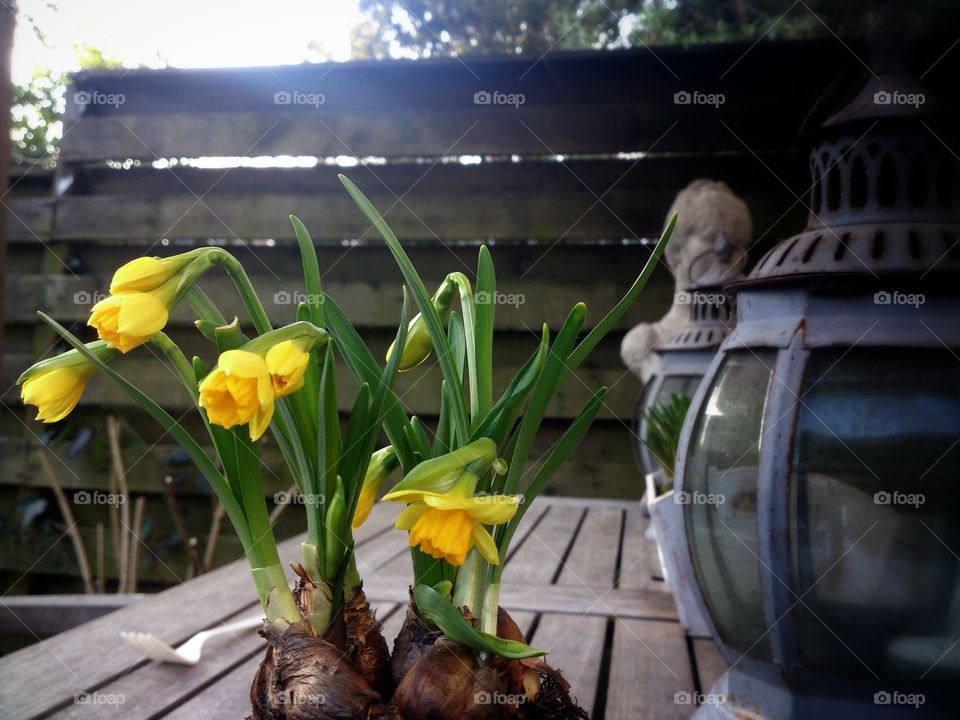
{"x": 760, "y": 692}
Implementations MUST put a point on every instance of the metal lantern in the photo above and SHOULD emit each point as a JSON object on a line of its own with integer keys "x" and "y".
{"x": 820, "y": 460}
{"x": 686, "y": 353}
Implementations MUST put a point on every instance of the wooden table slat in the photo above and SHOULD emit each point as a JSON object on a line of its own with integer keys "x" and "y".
{"x": 648, "y": 668}
{"x": 576, "y": 645}
{"x": 710, "y": 663}
{"x": 48, "y": 676}
{"x": 638, "y": 558}
{"x": 227, "y": 699}
{"x": 537, "y": 559}
{"x": 562, "y": 583}
{"x": 592, "y": 562}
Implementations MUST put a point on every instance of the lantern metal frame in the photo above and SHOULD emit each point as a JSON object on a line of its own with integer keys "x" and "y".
{"x": 816, "y": 323}
{"x": 885, "y": 218}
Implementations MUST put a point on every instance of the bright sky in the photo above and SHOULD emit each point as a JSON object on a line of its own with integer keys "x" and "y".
{"x": 183, "y": 33}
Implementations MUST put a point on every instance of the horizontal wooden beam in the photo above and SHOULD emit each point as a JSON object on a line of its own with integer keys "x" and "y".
{"x": 521, "y": 306}
{"x": 572, "y": 103}
{"x": 29, "y": 219}
{"x": 418, "y": 391}
{"x": 46, "y": 615}
{"x": 550, "y": 201}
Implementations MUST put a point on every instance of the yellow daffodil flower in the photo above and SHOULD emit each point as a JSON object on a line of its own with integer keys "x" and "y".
{"x": 128, "y": 320}
{"x": 448, "y": 525}
{"x": 381, "y": 465}
{"x": 56, "y": 392}
{"x": 287, "y": 363}
{"x": 146, "y": 274}
{"x": 55, "y": 385}
{"x": 238, "y": 391}
{"x": 443, "y": 516}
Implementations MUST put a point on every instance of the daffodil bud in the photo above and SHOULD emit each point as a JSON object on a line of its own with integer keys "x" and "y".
{"x": 441, "y": 474}
{"x": 382, "y": 463}
{"x": 418, "y": 347}
{"x": 334, "y": 524}
{"x": 146, "y": 274}
{"x": 54, "y": 386}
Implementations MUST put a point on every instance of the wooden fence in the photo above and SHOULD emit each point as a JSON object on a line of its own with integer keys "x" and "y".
{"x": 563, "y": 165}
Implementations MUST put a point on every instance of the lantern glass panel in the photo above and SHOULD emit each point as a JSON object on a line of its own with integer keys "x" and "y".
{"x": 721, "y": 497}
{"x": 671, "y": 385}
{"x": 875, "y": 494}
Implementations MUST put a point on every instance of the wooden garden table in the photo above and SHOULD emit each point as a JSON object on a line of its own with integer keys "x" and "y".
{"x": 580, "y": 578}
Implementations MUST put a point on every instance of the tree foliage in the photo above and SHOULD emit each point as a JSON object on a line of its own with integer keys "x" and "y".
{"x": 37, "y": 109}
{"x": 424, "y": 28}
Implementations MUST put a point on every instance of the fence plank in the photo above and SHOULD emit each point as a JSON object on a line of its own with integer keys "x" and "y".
{"x": 29, "y": 219}
{"x": 609, "y": 102}
{"x": 506, "y": 201}
{"x": 523, "y": 304}
{"x": 419, "y": 394}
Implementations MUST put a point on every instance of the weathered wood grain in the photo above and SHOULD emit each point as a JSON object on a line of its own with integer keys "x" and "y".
{"x": 649, "y": 672}
{"x": 226, "y": 699}
{"x": 28, "y": 687}
{"x": 639, "y": 566}
{"x": 46, "y": 615}
{"x": 576, "y": 200}
{"x": 576, "y": 644}
{"x": 592, "y": 561}
{"x": 29, "y": 219}
{"x": 710, "y": 663}
{"x": 537, "y": 559}
{"x": 149, "y": 690}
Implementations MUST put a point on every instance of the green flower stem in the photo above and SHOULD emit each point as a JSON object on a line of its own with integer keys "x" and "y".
{"x": 274, "y": 593}
{"x": 203, "y": 306}
{"x": 491, "y": 607}
{"x": 180, "y": 363}
{"x": 471, "y": 585}
{"x": 248, "y": 295}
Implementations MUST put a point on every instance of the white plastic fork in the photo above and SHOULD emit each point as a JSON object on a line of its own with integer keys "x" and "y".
{"x": 188, "y": 653}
